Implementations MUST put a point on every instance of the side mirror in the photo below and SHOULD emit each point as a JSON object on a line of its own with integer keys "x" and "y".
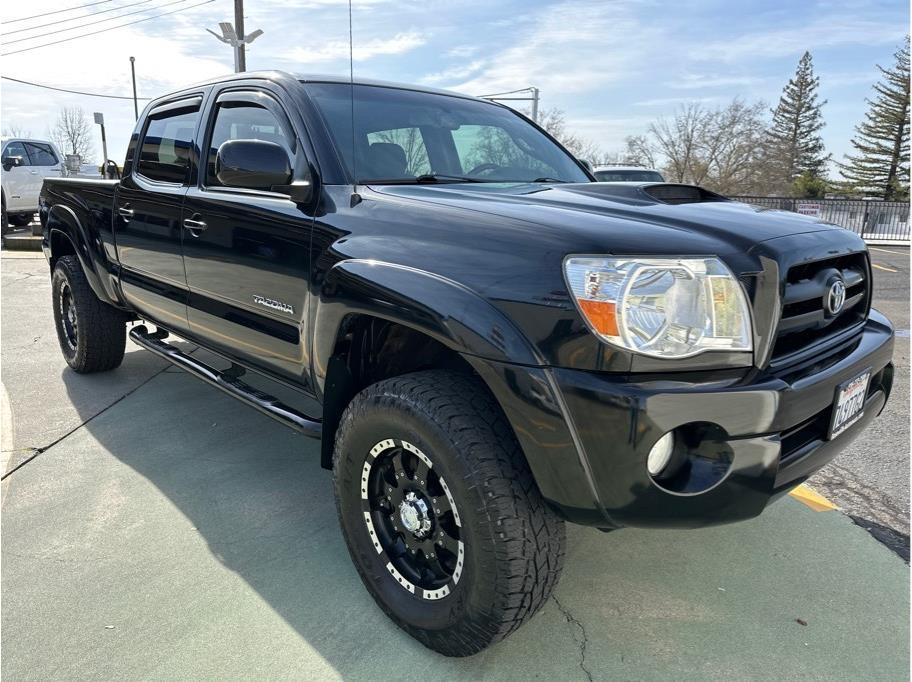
{"x": 252, "y": 164}
{"x": 587, "y": 164}
{"x": 12, "y": 162}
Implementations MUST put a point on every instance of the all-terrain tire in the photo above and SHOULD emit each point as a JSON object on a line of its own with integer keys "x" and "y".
{"x": 514, "y": 543}
{"x": 92, "y": 334}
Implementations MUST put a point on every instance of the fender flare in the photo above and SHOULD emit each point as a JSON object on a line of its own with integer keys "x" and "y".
{"x": 63, "y": 220}
{"x": 441, "y": 308}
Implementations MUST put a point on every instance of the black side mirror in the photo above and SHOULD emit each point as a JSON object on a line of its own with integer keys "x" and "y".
{"x": 252, "y": 164}
{"x": 587, "y": 164}
{"x": 12, "y": 162}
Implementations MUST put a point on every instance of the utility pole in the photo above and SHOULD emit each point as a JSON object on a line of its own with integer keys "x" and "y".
{"x": 133, "y": 73}
{"x": 240, "y": 53}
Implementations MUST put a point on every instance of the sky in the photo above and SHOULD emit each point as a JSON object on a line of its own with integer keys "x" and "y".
{"x": 612, "y": 66}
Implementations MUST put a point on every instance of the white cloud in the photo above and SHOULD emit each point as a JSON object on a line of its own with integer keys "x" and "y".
{"x": 339, "y": 49}
{"x": 462, "y": 51}
{"x": 669, "y": 101}
{"x": 698, "y": 81}
{"x": 454, "y": 73}
{"x": 569, "y": 47}
{"x": 827, "y": 31}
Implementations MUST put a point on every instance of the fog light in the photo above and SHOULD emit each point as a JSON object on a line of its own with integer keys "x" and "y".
{"x": 660, "y": 454}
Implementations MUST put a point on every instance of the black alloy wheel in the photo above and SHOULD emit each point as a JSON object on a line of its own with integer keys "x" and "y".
{"x": 410, "y": 513}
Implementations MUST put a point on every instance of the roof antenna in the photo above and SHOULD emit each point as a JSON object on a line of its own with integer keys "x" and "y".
{"x": 355, "y": 198}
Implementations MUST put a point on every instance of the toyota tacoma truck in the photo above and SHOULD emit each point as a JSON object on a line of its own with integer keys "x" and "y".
{"x": 486, "y": 342}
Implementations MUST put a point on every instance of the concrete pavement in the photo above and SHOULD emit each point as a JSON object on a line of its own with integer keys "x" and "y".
{"x": 162, "y": 530}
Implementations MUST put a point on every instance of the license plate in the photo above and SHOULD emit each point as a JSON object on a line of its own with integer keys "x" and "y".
{"x": 848, "y": 406}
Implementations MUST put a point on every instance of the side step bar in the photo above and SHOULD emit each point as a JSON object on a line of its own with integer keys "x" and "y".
{"x": 233, "y": 386}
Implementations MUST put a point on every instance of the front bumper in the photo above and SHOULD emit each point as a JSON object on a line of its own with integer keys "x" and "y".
{"x": 587, "y": 435}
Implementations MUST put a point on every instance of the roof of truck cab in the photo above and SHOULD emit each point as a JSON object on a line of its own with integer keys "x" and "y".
{"x": 331, "y": 78}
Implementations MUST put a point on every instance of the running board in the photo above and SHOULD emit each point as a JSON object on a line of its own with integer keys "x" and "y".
{"x": 265, "y": 403}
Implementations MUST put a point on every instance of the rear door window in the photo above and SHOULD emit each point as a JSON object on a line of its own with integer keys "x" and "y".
{"x": 167, "y": 143}
{"x": 41, "y": 154}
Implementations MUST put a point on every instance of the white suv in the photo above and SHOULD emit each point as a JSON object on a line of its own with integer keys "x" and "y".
{"x": 626, "y": 174}
{"x": 25, "y": 165}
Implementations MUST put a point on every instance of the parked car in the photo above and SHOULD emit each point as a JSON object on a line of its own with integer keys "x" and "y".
{"x": 494, "y": 343}
{"x": 25, "y": 164}
{"x": 626, "y": 174}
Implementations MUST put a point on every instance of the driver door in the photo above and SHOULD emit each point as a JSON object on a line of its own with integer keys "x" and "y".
{"x": 22, "y": 183}
{"x": 246, "y": 252}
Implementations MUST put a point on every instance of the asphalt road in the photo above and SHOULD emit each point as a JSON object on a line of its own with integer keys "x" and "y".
{"x": 157, "y": 529}
{"x": 870, "y": 479}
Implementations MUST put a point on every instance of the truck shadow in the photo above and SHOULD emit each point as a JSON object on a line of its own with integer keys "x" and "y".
{"x": 628, "y": 603}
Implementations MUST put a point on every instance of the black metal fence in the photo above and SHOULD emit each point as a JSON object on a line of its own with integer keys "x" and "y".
{"x": 870, "y": 218}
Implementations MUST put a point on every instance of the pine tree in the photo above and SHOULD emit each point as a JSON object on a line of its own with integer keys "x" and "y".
{"x": 881, "y": 164}
{"x": 793, "y": 144}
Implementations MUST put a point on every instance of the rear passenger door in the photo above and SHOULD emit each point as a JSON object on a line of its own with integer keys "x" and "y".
{"x": 147, "y": 221}
{"x": 248, "y": 259}
{"x": 44, "y": 160}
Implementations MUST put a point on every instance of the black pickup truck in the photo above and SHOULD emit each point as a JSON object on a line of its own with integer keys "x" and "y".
{"x": 486, "y": 342}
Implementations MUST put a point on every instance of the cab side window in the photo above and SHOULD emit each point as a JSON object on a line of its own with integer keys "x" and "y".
{"x": 244, "y": 121}
{"x": 41, "y": 154}
{"x": 16, "y": 149}
{"x": 166, "y": 144}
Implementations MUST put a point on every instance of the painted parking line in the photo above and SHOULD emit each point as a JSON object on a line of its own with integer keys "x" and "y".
{"x": 883, "y": 267}
{"x": 812, "y": 499}
{"x": 895, "y": 253}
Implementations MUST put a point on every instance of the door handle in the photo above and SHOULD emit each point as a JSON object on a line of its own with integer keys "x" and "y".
{"x": 125, "y": 213}
{"x": 33, "y": 172}
{"x": 194, "y": 226}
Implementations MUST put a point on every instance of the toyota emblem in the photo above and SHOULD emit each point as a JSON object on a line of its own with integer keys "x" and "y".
{"x": 836, "y": 297}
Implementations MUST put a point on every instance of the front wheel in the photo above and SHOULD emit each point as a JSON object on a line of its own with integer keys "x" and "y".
{"x": 92, "y": 334}
{"x": 440, "y": 512}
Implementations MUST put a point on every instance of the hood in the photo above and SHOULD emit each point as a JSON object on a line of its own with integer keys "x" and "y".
{"x": 618, "y": 217}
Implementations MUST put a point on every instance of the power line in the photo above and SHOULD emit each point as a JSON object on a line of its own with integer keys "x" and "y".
{"x": 63, "y": 21}
{"x": 105, "y": 30}
{"x": 93, "y": 23}
{"x": 74, "y": 92}
{"x": 59, "y": 11}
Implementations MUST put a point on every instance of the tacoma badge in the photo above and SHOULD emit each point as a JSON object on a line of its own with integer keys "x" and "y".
{"x": 271, "y": 303}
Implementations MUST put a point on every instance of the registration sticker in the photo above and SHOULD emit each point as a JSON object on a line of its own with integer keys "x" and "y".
{"x": 848, "y": 406}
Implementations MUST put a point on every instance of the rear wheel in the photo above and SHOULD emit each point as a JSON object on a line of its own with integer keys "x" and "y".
{"x": 440, "y": 512}
{"x": 21, "y": 219}
{"x": 92, "y": 334}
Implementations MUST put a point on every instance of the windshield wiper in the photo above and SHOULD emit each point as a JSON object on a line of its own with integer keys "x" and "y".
{"x": 548, "y": 180}
{"x": 427, "y": 178}
{"x": 443, "y": 177}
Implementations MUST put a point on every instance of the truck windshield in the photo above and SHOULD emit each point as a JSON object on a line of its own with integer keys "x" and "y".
{"x": 403, "y": 136}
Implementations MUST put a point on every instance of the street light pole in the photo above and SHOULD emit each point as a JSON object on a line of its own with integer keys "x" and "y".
{"x": 133, "y": 73}
{"x": 240, "y": 55}
{"x": 533, "y": 97}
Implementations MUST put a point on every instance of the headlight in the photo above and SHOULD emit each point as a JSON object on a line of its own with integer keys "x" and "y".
{"x": 663, "y": 307}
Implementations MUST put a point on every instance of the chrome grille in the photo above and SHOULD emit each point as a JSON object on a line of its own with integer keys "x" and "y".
{"x": 807, "y": 320}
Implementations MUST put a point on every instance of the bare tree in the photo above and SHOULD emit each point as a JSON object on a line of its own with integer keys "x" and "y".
{"x": 72, "y": 133}
{"x": 13, "y": 130}
{"x": 639, "y": 152}
{"x": 718, "y": 148}
{"x": 554, "y": 120}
